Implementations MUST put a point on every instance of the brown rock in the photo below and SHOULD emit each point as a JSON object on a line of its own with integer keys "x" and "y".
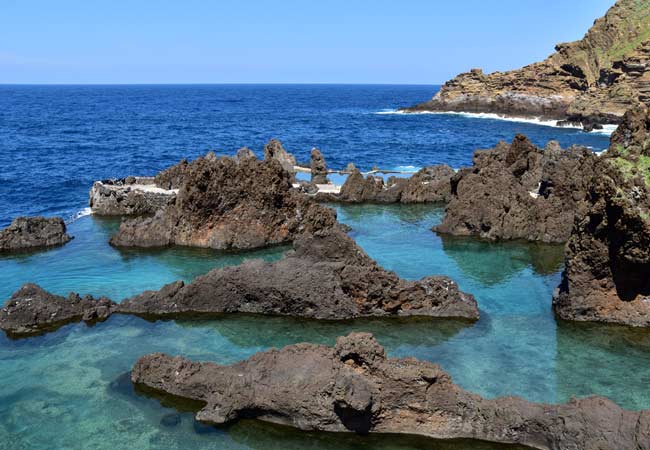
{"x": 354, "y": 387}
{"x": 275, "y": 150}
{"x": 318, "y": 167}
{"x": 26, "y": 233}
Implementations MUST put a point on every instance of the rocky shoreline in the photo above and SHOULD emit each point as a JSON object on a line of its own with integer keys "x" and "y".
{"x": 33, "y": 233}
{"x": 589, "y": 82}
{"x": 130, "y": 196}
{"x": 355, "y": 387}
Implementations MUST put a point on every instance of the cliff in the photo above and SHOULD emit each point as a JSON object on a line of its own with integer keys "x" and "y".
{"x": 590, "y": 81}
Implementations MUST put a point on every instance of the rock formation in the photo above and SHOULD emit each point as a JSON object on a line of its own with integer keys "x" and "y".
{"x": 590, "y": 81}
{"x": 429, "y": 185}
{"x": 318, "y": 167}
{"x": 607, "y": 265}
{"x": 32, "y": 310}
{"x": 520, "y": 191}
{"x": 327, "y": 277}
{"x": 27, "y": 233}
{"x": 275, "y": 150}
{"x": 131, "y": 196}
{"x": 229, "y": 203}
{"x": 354, "y": 387}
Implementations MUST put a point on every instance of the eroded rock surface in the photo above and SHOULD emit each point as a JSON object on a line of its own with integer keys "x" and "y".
{"x": 26, "y": 233}
{"x": 327, "y": 277}
{"x": 318, "y": 167}
{"x": 519, "y": 191}
{"x": 607, "y": 265}
{"x": 429, "y": 185}
{"x": 274, "y": 150}
{"x": 355, "y": 387}
{"x": 32, "y": 310}
{"x": 229, "y": 203}
{"x": 131, "y": 196}
{"x": 590, "y": 81}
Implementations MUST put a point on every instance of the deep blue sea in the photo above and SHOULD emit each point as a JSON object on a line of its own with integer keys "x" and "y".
{"x": 70, "y": 389}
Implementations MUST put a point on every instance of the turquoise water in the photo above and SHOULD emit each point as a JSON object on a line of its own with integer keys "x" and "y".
{"x": 69, "y": 389}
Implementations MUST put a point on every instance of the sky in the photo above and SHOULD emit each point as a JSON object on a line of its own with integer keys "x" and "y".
{"x": 256, "y": 41}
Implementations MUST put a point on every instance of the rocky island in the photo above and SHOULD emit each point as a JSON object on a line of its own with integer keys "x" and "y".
{"x": 591, "y": 82}
{"x": 607, "y": 266}
{"x": 355, "y": 387}
{"x": 30, "y": 233}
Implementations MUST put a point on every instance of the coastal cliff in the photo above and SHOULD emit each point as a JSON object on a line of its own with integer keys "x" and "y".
{"x": 591, "y": 81}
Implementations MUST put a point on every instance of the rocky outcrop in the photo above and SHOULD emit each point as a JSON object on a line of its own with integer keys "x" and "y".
{"x": 275, "y": 150}
{"x": 27, "y": 233}
{"x": 32, "y": 310}
{"x": 318, "y": 167}
{"x": 355, "y": 387}
{"x": 520, "y": 191}
{"x": 590, "y": 81}
{"x": 327, "y": 276}
{"x": 429, "y": 185}
{"x": 132, "y": 196}
{"x": 229, "y": 203}
{"x": 607, "y": 265}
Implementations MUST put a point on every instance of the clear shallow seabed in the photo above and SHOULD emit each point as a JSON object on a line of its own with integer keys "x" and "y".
{"x": 70, "y": 389}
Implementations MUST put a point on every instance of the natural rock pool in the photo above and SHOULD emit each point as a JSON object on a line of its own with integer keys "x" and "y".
{"x": 69, "y": 389}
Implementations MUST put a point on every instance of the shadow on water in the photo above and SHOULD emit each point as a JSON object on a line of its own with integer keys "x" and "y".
{"x": 494, "y": 262}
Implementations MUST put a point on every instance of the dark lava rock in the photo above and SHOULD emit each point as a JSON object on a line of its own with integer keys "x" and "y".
{"x": 607, "y": 265}
{"x": 355, "y": 387}
{"x": 275, "y": 150}
{"x": 172, "y": 177}
{"x": 229, "y": 203}
{"x": 318, "y": 167}
{"x": 520, "y": 191}
{"x": 131, "y": 196}
{"x": 327, "y": 276}
{"x": 32, "y": 310}
{"x": 428, "y": 185}
{"x": 244, "y": 153}
{"x": 33, "y": 232}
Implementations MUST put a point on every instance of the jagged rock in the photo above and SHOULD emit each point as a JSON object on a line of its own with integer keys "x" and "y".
{"x": 354, "y": 387}
{"x": 172, "y": 177}
{"x": 26, "y": 233}
{"x": 32, "y": 310}
{"x": 327, "y": 277}
{"x": 227, "y": 203}
{"x": 520, "y": 191}
{"x": 428, "y": 185}
{"x": 244, "y": 153}
{"x": 607, "y": 258}
{"x": 318, "y": 167}
{"x": 132, "y": 196}
{"x": 350, "y": 168}
{"x": 590, "y": 81}
{"x": 274, "y": 150}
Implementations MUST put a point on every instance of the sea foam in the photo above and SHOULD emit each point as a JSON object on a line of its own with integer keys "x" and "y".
{"x": 79, "y": 214}
{"x": 607, "y": 129}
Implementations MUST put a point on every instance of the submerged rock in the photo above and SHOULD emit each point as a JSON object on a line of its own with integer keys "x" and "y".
{"x": 429, "y": 185}
{"x": 318, "y": 167}
{"x": 607, "y": 264}
{"x": 32, "y": 310}
{"x": 327, "y": 276}
{"x": 26, "y": 233}
{"x": 131, "y": 196}
{"x": 229, "y": 203}
{"x": 588, "y": 82}
{"x": 354, "y": 387}
{"x": 520, "y": 191}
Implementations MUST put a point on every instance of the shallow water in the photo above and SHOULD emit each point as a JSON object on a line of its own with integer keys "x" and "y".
{"x": 68, "y": 389}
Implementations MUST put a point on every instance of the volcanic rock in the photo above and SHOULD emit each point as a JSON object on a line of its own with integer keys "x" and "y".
{"x": 26, "y": 233}
{"x": 275, "y": 150}
{"x": 318, "y": 167}
{"x": 229, "y": 203}
{"x": 327, "y": 276}
{"x": 354, "y": 387}
{"x": 520, "y": 191}
{"x": 607, "y": 264}
{"x": 590, "y": 81}
{"x": 131, "y": 196}
{"x": 32, "y": 310}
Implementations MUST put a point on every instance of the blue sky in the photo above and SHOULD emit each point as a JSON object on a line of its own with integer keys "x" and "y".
{"x": 255, "y": 41}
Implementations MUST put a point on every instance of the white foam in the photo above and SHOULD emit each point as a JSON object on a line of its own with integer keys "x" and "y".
{"x": 408, "y": 168}
{"x": 607, "y": 129}
{"x": 79, "y": 214}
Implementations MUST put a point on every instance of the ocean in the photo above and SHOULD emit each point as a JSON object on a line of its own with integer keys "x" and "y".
{"x": 70, "y": 389}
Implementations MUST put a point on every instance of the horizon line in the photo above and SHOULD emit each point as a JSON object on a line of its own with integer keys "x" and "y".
{"x": 306, "y": 83}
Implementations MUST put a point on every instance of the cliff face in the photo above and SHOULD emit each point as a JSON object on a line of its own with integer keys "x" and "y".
{"x": 607, "y": 274}
{"x": 593, "y": 80}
